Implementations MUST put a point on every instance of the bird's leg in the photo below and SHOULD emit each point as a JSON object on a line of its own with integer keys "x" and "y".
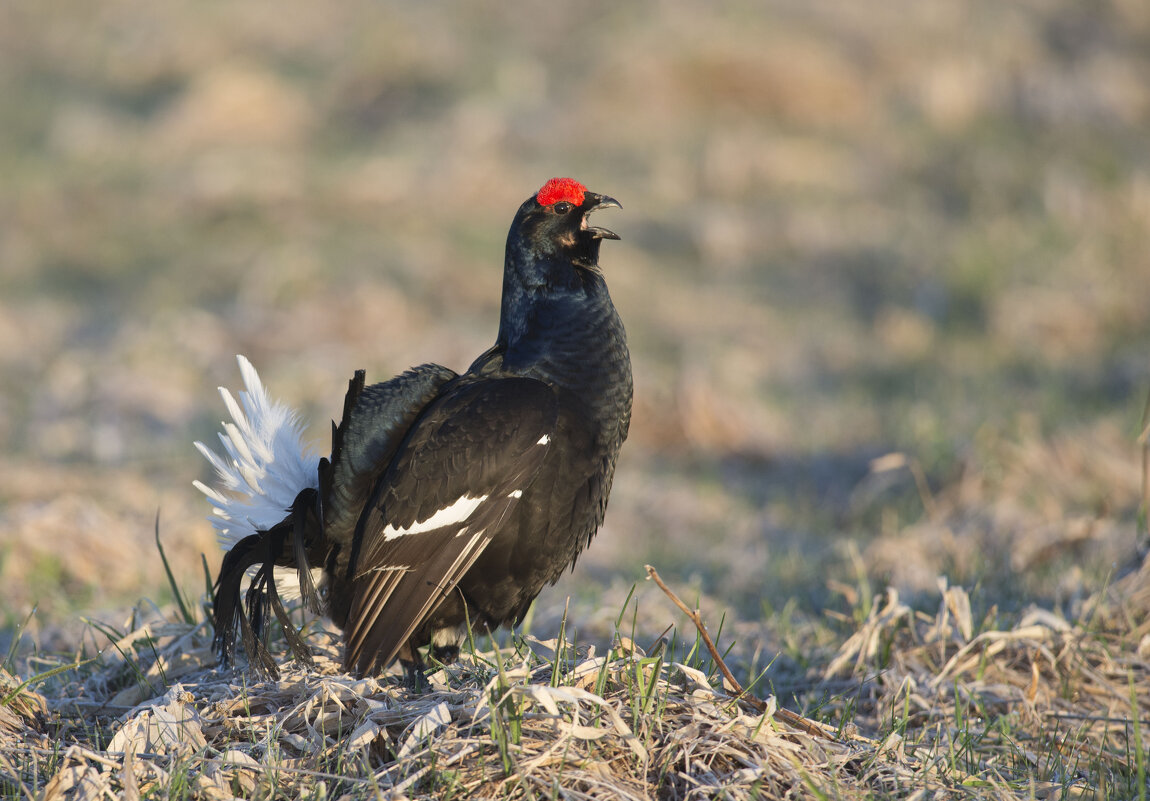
{"x": 413, "y": 667}
{"x": 445, "y": 654}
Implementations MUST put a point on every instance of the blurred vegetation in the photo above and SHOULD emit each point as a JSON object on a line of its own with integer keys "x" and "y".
{"x": 914, "y": 227}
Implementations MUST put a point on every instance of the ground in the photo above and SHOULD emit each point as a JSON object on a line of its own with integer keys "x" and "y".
{"x": 884, "y": 271}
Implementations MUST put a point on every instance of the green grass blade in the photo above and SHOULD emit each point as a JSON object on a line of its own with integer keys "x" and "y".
{"x": 39, "y": 677}
{"x": 171, "y": 577}
{"x": 1136, "y": 724}
{"x": 10, "y": 657}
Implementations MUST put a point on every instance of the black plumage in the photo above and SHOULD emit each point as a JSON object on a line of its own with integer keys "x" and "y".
{"x": 453, "y": 498}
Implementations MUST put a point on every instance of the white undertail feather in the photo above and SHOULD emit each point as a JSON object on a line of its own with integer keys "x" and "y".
{"x": 265, "y": 464}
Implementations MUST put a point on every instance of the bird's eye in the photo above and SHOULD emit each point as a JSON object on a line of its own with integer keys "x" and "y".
{"x": 562, "y": 207}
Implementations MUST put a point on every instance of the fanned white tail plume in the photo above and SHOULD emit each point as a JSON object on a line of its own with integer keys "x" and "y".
{"x": 266, "y": 464}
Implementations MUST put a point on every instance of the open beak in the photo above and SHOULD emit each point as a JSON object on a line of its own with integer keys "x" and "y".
{"x": 600, "y": 202}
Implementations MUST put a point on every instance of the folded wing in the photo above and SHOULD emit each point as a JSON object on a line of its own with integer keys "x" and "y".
{"x": 461, "y": 468}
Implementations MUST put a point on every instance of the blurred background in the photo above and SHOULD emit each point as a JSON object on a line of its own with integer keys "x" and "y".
{"x": 913, "y": 232}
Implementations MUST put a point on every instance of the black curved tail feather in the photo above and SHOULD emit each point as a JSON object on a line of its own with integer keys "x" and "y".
{"x": 265, "y": 549}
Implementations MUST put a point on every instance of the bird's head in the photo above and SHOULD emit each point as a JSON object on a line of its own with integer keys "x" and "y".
{"x": 553, "y": 225}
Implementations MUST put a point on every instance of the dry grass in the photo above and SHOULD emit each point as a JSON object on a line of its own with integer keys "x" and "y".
{"x": 927, "y": 705}
{"x": 915, "y": 228}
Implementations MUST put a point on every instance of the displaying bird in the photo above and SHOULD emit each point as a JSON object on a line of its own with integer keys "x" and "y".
{"x": 448, "y": 498}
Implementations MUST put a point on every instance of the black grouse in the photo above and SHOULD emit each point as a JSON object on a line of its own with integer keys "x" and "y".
{"x": 447, "y": 498}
